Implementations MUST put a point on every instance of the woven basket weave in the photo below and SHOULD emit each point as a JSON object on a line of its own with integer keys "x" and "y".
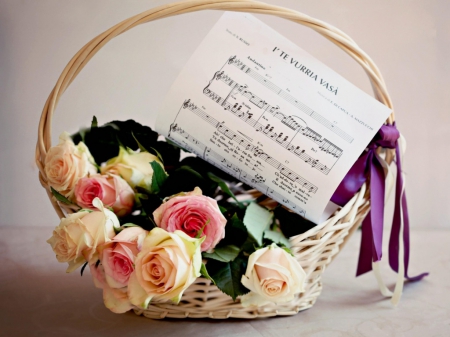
{"x": 314, "y": 249}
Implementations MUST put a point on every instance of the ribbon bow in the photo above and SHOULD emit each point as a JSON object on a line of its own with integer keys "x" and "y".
{"x": 370, "y": 166}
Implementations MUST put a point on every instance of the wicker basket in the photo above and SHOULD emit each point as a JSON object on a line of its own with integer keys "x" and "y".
{"x": 314, "y": 249}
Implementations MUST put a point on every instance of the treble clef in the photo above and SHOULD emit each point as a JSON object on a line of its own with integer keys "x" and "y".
{"x": 173, "y": 126}
{"x": 186, "y": 103}
{"x": 219, "y": 75}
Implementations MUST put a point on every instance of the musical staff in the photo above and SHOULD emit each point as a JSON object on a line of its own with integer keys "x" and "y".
{"x": 289, "y": 98}
{"x": 280, "y": 138}
{"x": 257, "y": 152}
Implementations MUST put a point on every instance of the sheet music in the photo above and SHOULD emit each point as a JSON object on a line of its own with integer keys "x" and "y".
{"x": 260, "y": 108}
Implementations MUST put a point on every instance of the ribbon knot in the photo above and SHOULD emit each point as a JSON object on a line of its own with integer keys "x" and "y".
{"x": 370, "y": 166}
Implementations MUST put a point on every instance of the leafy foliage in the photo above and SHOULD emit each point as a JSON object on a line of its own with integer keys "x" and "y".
{"x": 257, "y": 219}
{"x": 235, "y": 232}
{"x": 224, "y": 254}
{"x": 104, "y": 141}
{"x": 158, "y": 178}
{"x": 276, "y": 237}
{"x": 227, "y": 276}
{"x": 60, "y": 197}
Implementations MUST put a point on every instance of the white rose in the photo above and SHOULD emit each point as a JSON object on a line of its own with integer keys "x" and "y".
{"x": 272, "y": 276}
{"x": 134, "y": 167}
{"x": 76, "y": 238}
{"x": 66, "y": 162}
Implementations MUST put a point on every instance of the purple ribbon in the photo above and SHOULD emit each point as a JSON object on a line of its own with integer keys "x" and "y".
{"x": 368, "y": 166}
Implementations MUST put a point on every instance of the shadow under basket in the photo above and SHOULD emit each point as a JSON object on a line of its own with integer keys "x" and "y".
{"x": 314, "y": 249}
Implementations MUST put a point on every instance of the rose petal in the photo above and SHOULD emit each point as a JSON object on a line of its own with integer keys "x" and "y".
{"x": 116, "y": 300}
{"x": 137, "y": 294}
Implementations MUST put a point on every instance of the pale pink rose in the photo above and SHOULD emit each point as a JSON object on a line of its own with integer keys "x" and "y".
{"x": 115, "y": 300}
{"x": 118, "y": 255}
{"x": 193, "y": 214}
{"x": 65, "y": 163}
{"x": 272, "y": 276}
{"x": 167, "y": 264}
{"x": 112, "y": 190}
{"x": 76, "y": 238}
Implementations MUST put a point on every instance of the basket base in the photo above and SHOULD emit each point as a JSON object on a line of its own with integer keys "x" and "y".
{"x": 217, "y": 305}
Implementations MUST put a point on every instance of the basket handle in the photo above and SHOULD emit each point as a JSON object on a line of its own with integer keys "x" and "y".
{"x": 83, "y": 56}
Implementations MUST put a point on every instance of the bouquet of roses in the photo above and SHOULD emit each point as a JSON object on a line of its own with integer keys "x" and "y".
{"x": 148, "y": 219}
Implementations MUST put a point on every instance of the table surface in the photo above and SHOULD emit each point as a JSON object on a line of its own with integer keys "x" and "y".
{"x": 39, "y": 299}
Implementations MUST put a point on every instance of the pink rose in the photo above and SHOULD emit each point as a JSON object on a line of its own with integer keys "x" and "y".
{"x": 193, "y": 214}
{"x": 112, "y": 190}
{"x": 118, "y": 255}
{"x": 115, "y": 300}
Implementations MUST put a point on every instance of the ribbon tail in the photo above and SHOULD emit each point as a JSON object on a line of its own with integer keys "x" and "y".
{"x": 372, "y": 227}
{"x": 365, "y": 249}
{"x": 400, "y": 213}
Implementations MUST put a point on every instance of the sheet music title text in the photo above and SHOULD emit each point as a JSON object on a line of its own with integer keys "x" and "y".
{"x": 308, "y": 72}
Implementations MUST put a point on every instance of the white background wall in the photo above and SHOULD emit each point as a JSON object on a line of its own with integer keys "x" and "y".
{"x": 408, "y": 39}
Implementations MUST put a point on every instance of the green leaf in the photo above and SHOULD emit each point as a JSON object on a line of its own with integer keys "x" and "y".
{"x": 82, "y": 268}
{"x": 235, "y": 232}
{"x": 227, "y": 276}
{"x": 61, "y": 198}
{"x": 276, "y": 236}
{"x": 223, "y": 254}
{"x": 158, "y": 155}
{"x": 257, "y": 219}
{"x": 141, "y": 147}
{"x": 94, "y": 122}
{"x": 224, "y": 188}
{"x": 287, "y": 250}
{"x": 204, "y": 272}
{"x": 158, "y": 178}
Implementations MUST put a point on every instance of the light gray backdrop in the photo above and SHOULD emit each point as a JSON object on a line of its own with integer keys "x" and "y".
{"x": 408, "y": 40}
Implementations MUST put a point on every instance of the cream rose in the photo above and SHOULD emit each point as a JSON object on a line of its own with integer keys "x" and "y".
{"x": 134, "y": 167}
{"x": 167, "y": 264}
{"x": 66, "y": 162}
{"x": 76, "y": 238}
{"x": 272, "y": 275}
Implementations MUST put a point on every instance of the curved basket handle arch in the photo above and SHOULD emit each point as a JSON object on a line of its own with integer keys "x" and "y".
{"x": 84, "y": 55}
